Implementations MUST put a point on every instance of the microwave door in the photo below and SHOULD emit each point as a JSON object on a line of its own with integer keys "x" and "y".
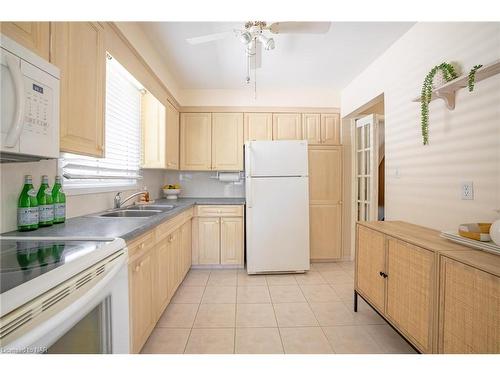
{"x": 9, "y": 114}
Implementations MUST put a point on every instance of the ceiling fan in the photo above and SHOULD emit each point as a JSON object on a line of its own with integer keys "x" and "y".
{"x": 258, "y": 34}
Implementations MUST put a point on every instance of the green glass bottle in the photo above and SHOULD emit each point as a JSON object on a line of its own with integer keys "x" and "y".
{"x": 59, "y": 201}
{"x": 27, "y": 207}
{"x": 45, "y": 206}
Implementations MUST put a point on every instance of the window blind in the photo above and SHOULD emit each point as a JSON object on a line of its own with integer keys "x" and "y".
{"x": 120, "y": 166}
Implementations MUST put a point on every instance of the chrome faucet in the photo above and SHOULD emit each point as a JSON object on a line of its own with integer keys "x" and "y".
{"x": 118, "y": 198}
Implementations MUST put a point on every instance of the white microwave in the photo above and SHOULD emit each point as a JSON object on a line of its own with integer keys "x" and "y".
{"x": 29, "y": 99}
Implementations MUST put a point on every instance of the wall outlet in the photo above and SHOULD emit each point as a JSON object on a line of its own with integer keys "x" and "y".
{"x": 467, "y": 190}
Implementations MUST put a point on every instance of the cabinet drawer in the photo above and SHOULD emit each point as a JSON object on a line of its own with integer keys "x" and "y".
{"x": 138, "y": 245}
{"x": 236, "y": 211}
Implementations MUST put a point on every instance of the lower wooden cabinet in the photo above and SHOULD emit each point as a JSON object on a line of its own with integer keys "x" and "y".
{"x": 469, "y": 308}
{"x": 158, "y": 262}
{"x": 141, "y": 288}
{"x": 218, "y": 236}
{"x": 325, "y": 231}
{"x": 410, "y": 286}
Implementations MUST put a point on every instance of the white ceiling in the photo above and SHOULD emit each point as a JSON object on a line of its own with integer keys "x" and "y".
{"x": 328, "y": 60}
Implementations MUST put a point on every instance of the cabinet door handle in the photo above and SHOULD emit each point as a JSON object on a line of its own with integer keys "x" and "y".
{"x": 383, "y": 274}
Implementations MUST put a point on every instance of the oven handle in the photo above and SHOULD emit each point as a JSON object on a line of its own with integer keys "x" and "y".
{"x": 17, "y": 123}
{"x": 49, "y": 331}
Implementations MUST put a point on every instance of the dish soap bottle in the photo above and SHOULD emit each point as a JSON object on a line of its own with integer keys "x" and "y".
{"x": 45, "y": 206}
{"x": 59, "y": 200}
{"x": 27, "y": 207}
{"x": 495, "y": 230}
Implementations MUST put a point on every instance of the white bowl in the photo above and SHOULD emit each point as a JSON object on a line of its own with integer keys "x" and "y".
{"x": 171, "y": 193}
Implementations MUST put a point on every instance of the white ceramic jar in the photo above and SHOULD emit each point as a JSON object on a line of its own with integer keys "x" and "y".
{"x": 495, "y": 231}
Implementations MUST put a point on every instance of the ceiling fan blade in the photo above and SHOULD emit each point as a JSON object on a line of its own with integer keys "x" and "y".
{"x": 209, "y": 37}
{"x": 300, "y": 27}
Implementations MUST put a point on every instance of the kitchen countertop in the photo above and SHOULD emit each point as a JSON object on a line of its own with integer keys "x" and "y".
{"x": 91, "y": 226}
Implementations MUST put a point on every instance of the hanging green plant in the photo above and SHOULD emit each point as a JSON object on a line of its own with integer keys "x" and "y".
{"x": 449, "y": 73}
{"x": 472, "y": 77}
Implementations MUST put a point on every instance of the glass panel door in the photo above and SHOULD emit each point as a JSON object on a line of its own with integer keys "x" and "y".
{"x": 366, "y": 168}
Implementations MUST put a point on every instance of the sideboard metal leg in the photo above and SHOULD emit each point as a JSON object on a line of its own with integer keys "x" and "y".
{"x": 355, "y": 301}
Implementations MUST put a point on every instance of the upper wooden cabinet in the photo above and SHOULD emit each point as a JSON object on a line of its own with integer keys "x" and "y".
{"x": 172, "y": 144}
{"x": 330, "y": 129}
{"x": 311, "y": 127}
{"x": 77, "y": 48}
{"x": 321, "y": 129}
{"x": 287, "y": 126}
{"x": 196, "y": 141}
{"x": 153, "y": 118}
{"x": 258, "y": 126}
{"x": 32, "y": 35}
{"x": 227, "y": 141}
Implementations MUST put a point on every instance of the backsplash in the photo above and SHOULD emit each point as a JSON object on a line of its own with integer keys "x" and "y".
{"x": 205, "y": 185}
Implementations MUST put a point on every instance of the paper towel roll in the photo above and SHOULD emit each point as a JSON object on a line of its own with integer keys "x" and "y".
{"x": 229, "y": 176}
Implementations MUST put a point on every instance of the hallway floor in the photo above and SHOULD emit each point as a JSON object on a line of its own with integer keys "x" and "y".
{"x": 228, "y": 311}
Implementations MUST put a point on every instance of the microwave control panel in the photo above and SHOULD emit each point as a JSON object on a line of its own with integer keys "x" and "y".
{"x": 37, "y": 108}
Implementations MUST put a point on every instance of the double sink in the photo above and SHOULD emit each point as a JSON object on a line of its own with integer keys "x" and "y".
{"x": 137, "y": 211}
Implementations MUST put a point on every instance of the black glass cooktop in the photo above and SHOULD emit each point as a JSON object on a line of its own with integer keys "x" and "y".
{"x": 23, "y": 260}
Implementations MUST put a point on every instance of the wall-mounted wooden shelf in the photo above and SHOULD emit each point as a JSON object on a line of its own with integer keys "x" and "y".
{"x": 448, "y": 90}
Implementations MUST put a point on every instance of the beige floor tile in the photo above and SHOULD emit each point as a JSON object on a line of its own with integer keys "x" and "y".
{"x": 305, "y": 340}
{"x": 222, "y": 278}
{"x": 344, "y": 291}
{"x": 178, "y": 315}
{"x": 294, "y": 315}
{"x": 319, "y": 293}
{"x": 323, "y": 267}
{"x": 196, "y": 278}
{"x": 211, "y": 341}
{"x": 166, "y": 341}
{"x": 351, "y": 340}
{"x": 215, "y": 316}
{"x": 253, "y": 294}
{"x": 281, "y": 280}
{"x": 188, "y": 294}
{"x": 255, "y": 315}
{"x": 286, "y": 294}
{"x": 388, "y": 339}
{"x": 310, "y": 278}
{"x": 333, "y": 314}
{"x": 258, "y": 341}
{"x": 336, "y": 277}
{"x": 365, "y": 314}
{"x": 219, "y": 294}
{"x": 245, "y": 279}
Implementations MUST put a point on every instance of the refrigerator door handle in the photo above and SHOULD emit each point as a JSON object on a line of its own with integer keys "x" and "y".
{"x": 249, "y": 192}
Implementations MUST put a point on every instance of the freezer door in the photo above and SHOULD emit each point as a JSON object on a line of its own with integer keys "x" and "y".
{"x": 276, "y": 158}
{"x": 277, "y": 224}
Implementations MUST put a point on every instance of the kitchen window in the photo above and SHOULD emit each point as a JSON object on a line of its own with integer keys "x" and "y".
{"x": 120, "y": 167}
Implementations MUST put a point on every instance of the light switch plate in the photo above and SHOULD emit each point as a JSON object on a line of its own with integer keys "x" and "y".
{"x": 467, "y": 190}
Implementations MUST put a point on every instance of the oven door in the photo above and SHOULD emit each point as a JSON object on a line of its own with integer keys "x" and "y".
{"x": 88, "y": 314}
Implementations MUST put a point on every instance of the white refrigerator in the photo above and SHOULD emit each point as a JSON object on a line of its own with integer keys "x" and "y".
{"x": 277, "y": 202}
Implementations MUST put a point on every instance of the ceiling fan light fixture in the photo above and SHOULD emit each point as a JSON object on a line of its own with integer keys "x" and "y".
{"x": 268, "y": 43}
{"x": 245, "y": 37}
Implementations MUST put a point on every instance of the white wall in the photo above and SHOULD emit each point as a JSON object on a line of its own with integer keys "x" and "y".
{"x": 12, "y": 180}
{"x": 464, "y": 143}
{"x": 265, "y": 98}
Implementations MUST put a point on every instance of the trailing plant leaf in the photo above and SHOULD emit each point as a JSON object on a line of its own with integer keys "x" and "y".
{"x": 449, "y": 74}
{"x": 472, "y": 77}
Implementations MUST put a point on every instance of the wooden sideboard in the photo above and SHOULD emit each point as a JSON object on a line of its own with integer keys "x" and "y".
{"x": 440, "y": 296}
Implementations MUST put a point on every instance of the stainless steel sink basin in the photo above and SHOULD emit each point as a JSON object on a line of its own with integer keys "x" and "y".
{"x": 152, "y": 207}
{"x": 131, "y": 213}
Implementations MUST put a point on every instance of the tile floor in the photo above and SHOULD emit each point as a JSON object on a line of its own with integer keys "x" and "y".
{"x": 228, "y": 311}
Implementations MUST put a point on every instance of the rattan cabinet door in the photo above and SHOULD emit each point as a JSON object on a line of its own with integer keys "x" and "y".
{"x": 409, "y": 291}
